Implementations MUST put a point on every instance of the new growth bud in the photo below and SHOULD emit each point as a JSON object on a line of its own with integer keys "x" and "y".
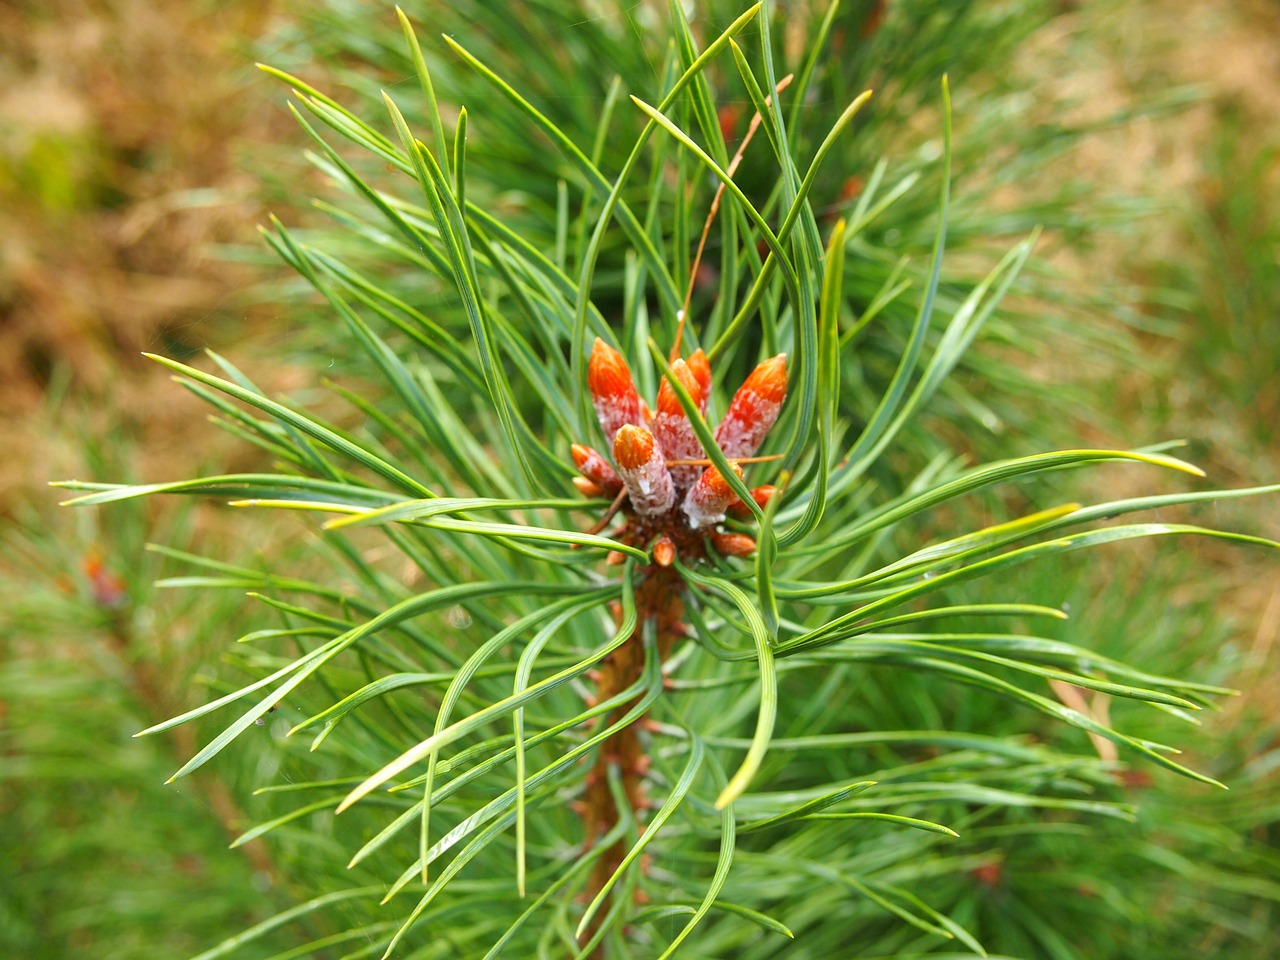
{"x": 668, "y": 402}
{"x": 632, "y": 447}
{"x": 733, "y": 544}
{"x": 671, "y": 427}
{"x": 592, "y": 465}
{"x": 664, "y": 551}
{"x": 754, "y": 409}
{"x": 707, "y": 499}
{"x": 701, "y": 369}
{"x": 643, "y": 471}
{"x": 762, "y": 495}
{"x": 613, "y": 393}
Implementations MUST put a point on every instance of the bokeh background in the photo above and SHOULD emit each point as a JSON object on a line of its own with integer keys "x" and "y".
{"x": 139, "y": 149}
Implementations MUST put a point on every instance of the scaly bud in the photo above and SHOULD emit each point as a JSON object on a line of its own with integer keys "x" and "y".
{"x": 754, "y": 409}
{"x": 701, "y": 368}
{"x": 587, "y": 488}
{"x": 671, "y": 427}
{"x": 668, "y": 403}
{"x": 592, "y": 465}
{"x": 707, "y": 499}
{"x": 632, "y": 447}
{"x": 762, "y": 495}
{"x": 612, "y": 390}
{"x": 643, "y": 471}
{"x": 733, "y": 544}
{"x": 664, "y": 551}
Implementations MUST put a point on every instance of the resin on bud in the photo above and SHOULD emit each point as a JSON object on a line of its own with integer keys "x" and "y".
{"x": 754, "y": 409}
{"x": 592, "y": 465}
{"x": 671, "y": 427}
{"x": 613, "y": 392}
{"x": 708, "y": 499}
{"x": 643, "y": 471}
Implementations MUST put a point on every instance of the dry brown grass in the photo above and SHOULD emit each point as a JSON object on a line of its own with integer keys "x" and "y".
{"x": 1231, "y": 52}
{"x": 120, "y": 123}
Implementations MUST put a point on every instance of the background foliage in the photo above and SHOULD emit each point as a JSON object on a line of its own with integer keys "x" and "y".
{"x": 1137, "y": 889}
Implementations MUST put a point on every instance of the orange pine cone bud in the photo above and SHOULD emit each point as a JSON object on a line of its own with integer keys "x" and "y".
{"x": 707, "y": 499}
{"x": 754, "y": 409}
{"x": 587, "y": 488}
{"x": 592, "y": 465}
{"x": 769, "y": 379}
{"x": 733, "y": 544}
{"x": 607, "y": 372}
{"x": 632, "y": 447}
{"x": 762, "y": 495}
{"x": 701, "y": 368}
{"x": 643, "y": 471}
{"x": 667, "y": 400}
{"x": 716, "y": 482}
{"x": 613, "y": 392}
{"x": 664, "y": 551}
{"x": 671, "y": 427}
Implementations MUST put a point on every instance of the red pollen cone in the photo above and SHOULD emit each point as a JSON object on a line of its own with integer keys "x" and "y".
{"x": 672, "y": 429}
{"x": 632, "y": 447}
{"x": 643, "y": 471}
{"x": 701, "y": 368}
{"x": 668, "y": 402}
{"x": 754, "y": 409}
{"x": 762, "y": 495}
{"x": 769, "y": 379}
{"x": 613, "y": 392}
{"x": 592, "y": 465}
{"x": 707, "y": 499}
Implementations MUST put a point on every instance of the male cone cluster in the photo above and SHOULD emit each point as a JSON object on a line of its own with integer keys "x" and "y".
{"x": 645, "y": 443}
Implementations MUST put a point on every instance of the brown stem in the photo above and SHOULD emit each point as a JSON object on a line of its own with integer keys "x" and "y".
{"x": 658, "y": 601}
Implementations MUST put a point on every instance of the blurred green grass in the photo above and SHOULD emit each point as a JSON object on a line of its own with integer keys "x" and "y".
{"x": 98, "y": 857}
